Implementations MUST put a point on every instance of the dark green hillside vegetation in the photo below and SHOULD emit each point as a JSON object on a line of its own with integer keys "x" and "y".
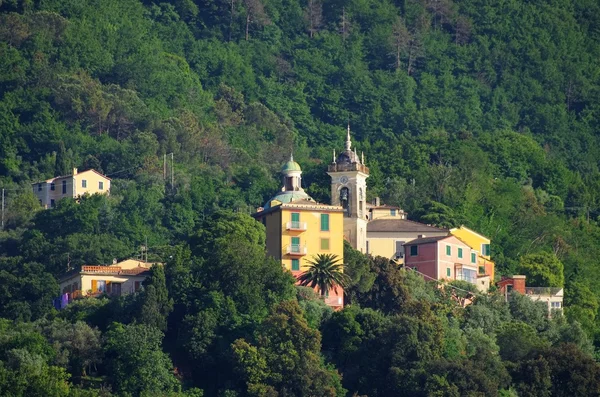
{"x": 474, "y": 112}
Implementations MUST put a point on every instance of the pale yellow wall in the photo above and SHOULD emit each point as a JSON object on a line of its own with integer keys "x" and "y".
{"x": 384, "y": 243}
{"x": 92, "y": 182}
{"x": 311, "y": 238}
{"x": 73, "y": 187}
{"x": 385, "y": 213}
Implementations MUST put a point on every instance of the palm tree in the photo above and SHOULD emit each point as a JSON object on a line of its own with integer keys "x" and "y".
{"x": 324, "y": 272}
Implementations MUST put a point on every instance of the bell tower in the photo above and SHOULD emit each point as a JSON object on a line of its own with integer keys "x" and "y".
{"x": 349, "y": 190}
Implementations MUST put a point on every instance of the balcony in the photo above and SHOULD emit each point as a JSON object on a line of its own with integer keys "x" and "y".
{"x": 296, "y": 225}
{"x": 296, "y": 250}
{"x": 334, "y": 301}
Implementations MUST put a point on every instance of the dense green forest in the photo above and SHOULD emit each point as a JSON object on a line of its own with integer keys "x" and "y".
{"x": 475, "y": 112}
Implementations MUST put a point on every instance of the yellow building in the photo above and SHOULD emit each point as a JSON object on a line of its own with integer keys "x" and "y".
{"x": 54, "y": 189}
{"x": 298, "y": 228}
{"x": 119, "y": 279}
{"x": 481, "y": 245}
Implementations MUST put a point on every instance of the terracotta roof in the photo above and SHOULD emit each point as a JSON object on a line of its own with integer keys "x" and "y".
{"x": 427, "y": 240}
{"x": 400, "y": 225}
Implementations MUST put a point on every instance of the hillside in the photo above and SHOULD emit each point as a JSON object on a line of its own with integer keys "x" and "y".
{"x": 468, "y": 112}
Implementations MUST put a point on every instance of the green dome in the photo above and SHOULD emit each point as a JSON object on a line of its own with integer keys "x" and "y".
{"x": 288, "y": 197}
{"x": 291, "y": 166}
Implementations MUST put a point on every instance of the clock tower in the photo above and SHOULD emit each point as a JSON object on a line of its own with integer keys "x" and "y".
{"x": 349, "y": 190}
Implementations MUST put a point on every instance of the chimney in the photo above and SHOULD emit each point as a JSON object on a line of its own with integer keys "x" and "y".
{"x": 74, "y": 171}
{"x": 519, "y": 283}
{"x": 377, "y": 202}
{"x": 421, "y": 236}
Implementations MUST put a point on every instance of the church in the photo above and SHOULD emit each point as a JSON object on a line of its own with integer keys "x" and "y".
{"x": 298, "y": 228}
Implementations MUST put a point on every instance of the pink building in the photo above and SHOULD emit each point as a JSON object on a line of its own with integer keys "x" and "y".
{"x": 445, "y": 258}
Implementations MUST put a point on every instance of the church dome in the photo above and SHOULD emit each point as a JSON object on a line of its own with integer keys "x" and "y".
{"x": 285, "y": 197}
{"x": 291, "y": 165}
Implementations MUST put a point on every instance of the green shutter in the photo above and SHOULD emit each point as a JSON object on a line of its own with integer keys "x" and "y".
{"x": 448, "y": 250}
{"x": 448, "y": 271}
{"x": 325, "y": 222}
{"x": 473, "y": 257}
{"x": 295, "y": 240}
{"x": 295, "y": 217}
{"x": 325, "y": 244}
{"x": 460, "y": 252}
{"x": 295, "y": 264}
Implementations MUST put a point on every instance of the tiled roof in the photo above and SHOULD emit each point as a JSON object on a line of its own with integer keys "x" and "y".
{"x": 426, "y": 240}
{"x": 400, "y": 225}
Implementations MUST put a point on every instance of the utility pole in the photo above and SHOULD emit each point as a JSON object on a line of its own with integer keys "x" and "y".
{"x": 172, "y": 166}
{"x": 2, "y": 208}
{"x": 165, "y": 167}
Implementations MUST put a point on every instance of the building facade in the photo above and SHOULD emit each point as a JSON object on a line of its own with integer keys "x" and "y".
{"x": 386, "y": 235}
{"x": 445, "y": 258}
{"x": 552, "y": 297}
{"x": 298, "y": 228}
{"x": 50, "y": 191}
{"x": 121, "y": 278}
{"x": 349, "y": 190}
{"x": 481, "y": 245}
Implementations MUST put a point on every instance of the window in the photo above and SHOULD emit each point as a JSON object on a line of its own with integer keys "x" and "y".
{"x": 485, "y": 249}
{"x": 295, "y": 220}
{"x": 473, "y": 257}
{"x": 64, "y": 187}
{"x": 52, "y": 203}
{"x": 100, "y": 185}
{"x": 414, "y": 250}
{"x": 367, "y": 247}
{"x": 448, "y": 250}
{"x": 399, "y": 249}
{"x": 83, "y": 183}
{"x": 136, "y": 286}
{"x": 325, "y": 222}
{"x": 295, "y": 244}
{"x": 295, "y": 264}
{"x": 52, "y": 186}
{"x": 555, "y": 305}
{"x": 393, "y": 212}
{"x": 325, "y": 244}
{"x": 481, "y": 269}
{"x": 448, "y": 272}
{"x": 39, "y": 187}
{"x": 460, "y": 252}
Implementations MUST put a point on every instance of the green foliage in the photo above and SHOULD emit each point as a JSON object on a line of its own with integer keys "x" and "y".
{"x": 135, "y": 361}
{"x": 467, "y": 113}
{"x": 542, "y": 270}
{"x": 285, "y": 358}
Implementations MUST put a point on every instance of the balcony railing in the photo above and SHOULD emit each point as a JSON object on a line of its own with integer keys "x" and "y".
{"x": 334, "y": 301}
{"x": 552, "y": 291}
{"x": 101, "y": 269}
{"x": 472, "y": 280}
{"x": 296, "y": 250}
{"x": 296, "y": 225}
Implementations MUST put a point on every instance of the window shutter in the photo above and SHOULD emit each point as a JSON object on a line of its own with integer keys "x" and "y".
{"x": 325, "y": 222}
{"x": 295, "y": 217}
{"x": 94, "y": 285}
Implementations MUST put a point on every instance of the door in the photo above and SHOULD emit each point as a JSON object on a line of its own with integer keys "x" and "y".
{"x": 295, "y": 244}
{"x": 116, "y": 289}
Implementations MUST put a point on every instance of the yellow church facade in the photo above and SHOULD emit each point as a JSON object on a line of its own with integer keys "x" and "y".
{"x": 298, "y": 228}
